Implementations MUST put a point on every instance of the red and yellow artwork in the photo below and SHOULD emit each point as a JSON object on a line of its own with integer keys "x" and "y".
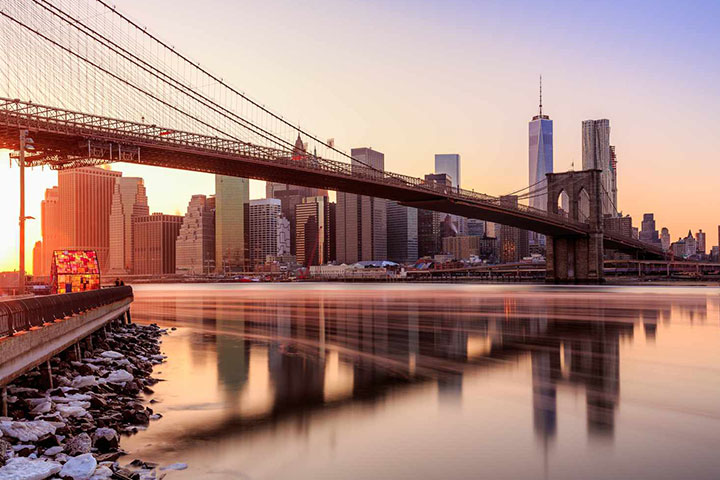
{"x": 75, "y": 271}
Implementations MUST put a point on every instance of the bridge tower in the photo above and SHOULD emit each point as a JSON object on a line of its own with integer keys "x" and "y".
{"x": 576, "y": 258}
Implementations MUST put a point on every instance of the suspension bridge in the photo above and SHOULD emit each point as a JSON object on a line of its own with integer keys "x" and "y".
{"x": 92, "y": 86}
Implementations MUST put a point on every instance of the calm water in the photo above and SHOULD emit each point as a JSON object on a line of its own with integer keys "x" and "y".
{"x": 326, "y": 381}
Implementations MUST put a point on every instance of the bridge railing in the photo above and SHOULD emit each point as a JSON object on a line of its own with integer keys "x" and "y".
{"x": 22, "y": 314}
{"x": 28, "y": 115}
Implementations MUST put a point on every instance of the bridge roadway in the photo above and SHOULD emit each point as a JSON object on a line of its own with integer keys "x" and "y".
{"x": 66, "y": 139}
{"x": 33, "y": 330}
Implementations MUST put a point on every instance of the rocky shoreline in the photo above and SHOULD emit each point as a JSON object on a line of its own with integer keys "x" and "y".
{"x": 73, "y": 429}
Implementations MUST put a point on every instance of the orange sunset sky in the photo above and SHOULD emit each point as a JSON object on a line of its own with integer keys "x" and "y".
{"x": 412, "y": 79}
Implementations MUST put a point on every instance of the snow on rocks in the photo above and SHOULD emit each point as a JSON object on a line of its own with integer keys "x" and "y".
{"x": 21, "y": 468}
{"x": 76, "y": 426}
{"x": 120, "y": 376}
{"x": 27, "y": 431}
{"x": 81, "y": 467}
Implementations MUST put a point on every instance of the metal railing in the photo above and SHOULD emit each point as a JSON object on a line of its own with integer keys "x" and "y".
{"x": 22, "y": 314}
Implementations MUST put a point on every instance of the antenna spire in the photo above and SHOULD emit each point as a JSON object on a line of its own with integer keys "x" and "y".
{"x": 540, "y": 95}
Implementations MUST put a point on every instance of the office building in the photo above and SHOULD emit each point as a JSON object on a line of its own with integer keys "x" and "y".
{"x": 154, "y": 243}
{"x": 195, "y": 244}
{"x": 129, "y": 200}
{"x": 514, "y": 244}
{"x": 476, "y": 228}
{"x": 449, "y": 164}
{"x": 598, "y": 154}
{"x": 51, "y": 229}
{"x": 430, "y": 222}
{"x": 361, "y": 226}
{"x": 665, "y": 239}
{"x": 467, "y": 247}
{"x": 313, "y": 231}
{"x": 283, "y": 237}
{"x": 619, "y": 225}
{"x": 232, "y": 198}
{"x": 85, "y": 196}
{"x": 37, "y": 254}
{"x": 402, "y": 233}
{"x": 648, "y": 233}
{"x": 540, "y": 156}
{"x": 292, "y": 195}
{"x": 701, "y": 242}
{"x": 264, "y": 217}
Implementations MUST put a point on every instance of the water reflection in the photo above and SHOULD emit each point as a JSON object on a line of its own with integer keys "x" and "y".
{"x": 312, "y": 358}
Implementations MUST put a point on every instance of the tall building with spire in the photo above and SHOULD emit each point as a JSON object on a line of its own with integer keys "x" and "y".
{"x": 292, "y": 195}
{"x": 540, "y": 155}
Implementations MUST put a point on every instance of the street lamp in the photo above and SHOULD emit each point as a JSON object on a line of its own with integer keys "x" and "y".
{"x": 25, "y": 143}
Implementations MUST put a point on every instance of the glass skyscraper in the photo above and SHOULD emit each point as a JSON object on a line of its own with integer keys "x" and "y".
{"x": 541, "y": 157}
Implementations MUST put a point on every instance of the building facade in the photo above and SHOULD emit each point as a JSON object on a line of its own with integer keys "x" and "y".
{"x": 265, "y": 214}
{"x": 85, "y": 196}
{"x": 232, "y": 198}
{"x": 597, "y": 153}
{"x": 430, "y": 222}
{"x": 514, "y": 242}
{"x": 312, "y": 235}
{"x": 129, "y": 201}
{"x": 51, "y": 229}
{"x": 648, "y": 232}
{"x": 195, "y": 244}
{"x": 665, "y": 239}
{"x": 402, "y": 233}
{"x": 361, "y": 221}
{"x": 155, "y": 243}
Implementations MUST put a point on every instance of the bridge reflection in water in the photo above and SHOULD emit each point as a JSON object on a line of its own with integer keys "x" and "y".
{"x": 250, "y": 363}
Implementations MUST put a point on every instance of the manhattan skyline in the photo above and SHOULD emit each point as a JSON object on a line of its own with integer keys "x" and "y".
{"x": 665, "y": 166}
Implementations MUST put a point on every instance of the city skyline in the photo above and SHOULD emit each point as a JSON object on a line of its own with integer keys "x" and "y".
{"x": 672, "y": 179}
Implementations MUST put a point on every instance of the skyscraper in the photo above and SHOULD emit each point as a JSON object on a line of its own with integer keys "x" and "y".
{"x": 154, "y": 243}
{"x": 665, "y": 238}
{"x": 648, "y": 233}
{"x": 598, "y": 154}
{"x": 429, "y": 222}
{"x": 513, "y": 241}
{"x": 313, "y": 231}
{"x": 292, "y": 195}
{"x": 51, "y": 227}
{"x": 195, "y": 244}
{"x": 232, "y": 198}
{"x": 264, "y": 217}
{"x": 129, "y": 201}
{"x": 449, "y": 163}
{"x": 86, "y": 202}
{"x": 701, "y": 242}
{"x": 540, "y": 155}
{"x": 402, "y": 233}
{"x": 361, "y": 227}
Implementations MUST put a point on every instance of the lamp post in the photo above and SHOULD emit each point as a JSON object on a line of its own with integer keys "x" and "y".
{"x": 24, "y": 140}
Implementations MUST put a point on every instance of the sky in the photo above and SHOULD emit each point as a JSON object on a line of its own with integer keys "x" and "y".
{"x": 412, "y": 79}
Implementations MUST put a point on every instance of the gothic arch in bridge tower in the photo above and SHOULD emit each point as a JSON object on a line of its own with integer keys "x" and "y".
{"x": 576, "y": 258}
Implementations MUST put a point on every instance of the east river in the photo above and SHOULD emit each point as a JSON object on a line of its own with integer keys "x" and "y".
{"x": 354, "y": 381}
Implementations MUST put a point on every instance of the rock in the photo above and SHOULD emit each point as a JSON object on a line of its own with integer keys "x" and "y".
{"x": 71, "y": 410}
{"x": 52, "y": 451}
{"x": 105, "y": 439}
{"x": 5, "y": 451}
{"x": 27, "y": 431}
{"x": 21, "y": 468}
{"x": 84, "y": 381}
{"x": 44, "y": 407}
{"x": 119, "y": 376}
{"x": 175, "y": 466}
{"x": 79, "y": 444}
{"x": 81, "y": 467}
{"x": 73, "y": 397}
{"x": 112, "y": 355}
{"x": 101, "y": 473}
{"x": 109, "y": 457}
{"x": 23, "y": 450}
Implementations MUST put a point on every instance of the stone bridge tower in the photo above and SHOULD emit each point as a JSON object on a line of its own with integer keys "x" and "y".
{"x": 576, "y": 258}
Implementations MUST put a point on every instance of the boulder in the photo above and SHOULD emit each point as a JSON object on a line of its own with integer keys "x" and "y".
{"x": 84, "y": 381}
{"x": 119, "y": 376}
{"x": 105, "y": 439}
{"x": 81, "y": 467}
{"x": 27, "y": 431}
{"x": 79, "y": 444}
{"x": 22, "y": 468}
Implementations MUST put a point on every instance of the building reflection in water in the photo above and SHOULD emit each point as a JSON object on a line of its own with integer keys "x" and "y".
{"x": 287, "y": 355}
